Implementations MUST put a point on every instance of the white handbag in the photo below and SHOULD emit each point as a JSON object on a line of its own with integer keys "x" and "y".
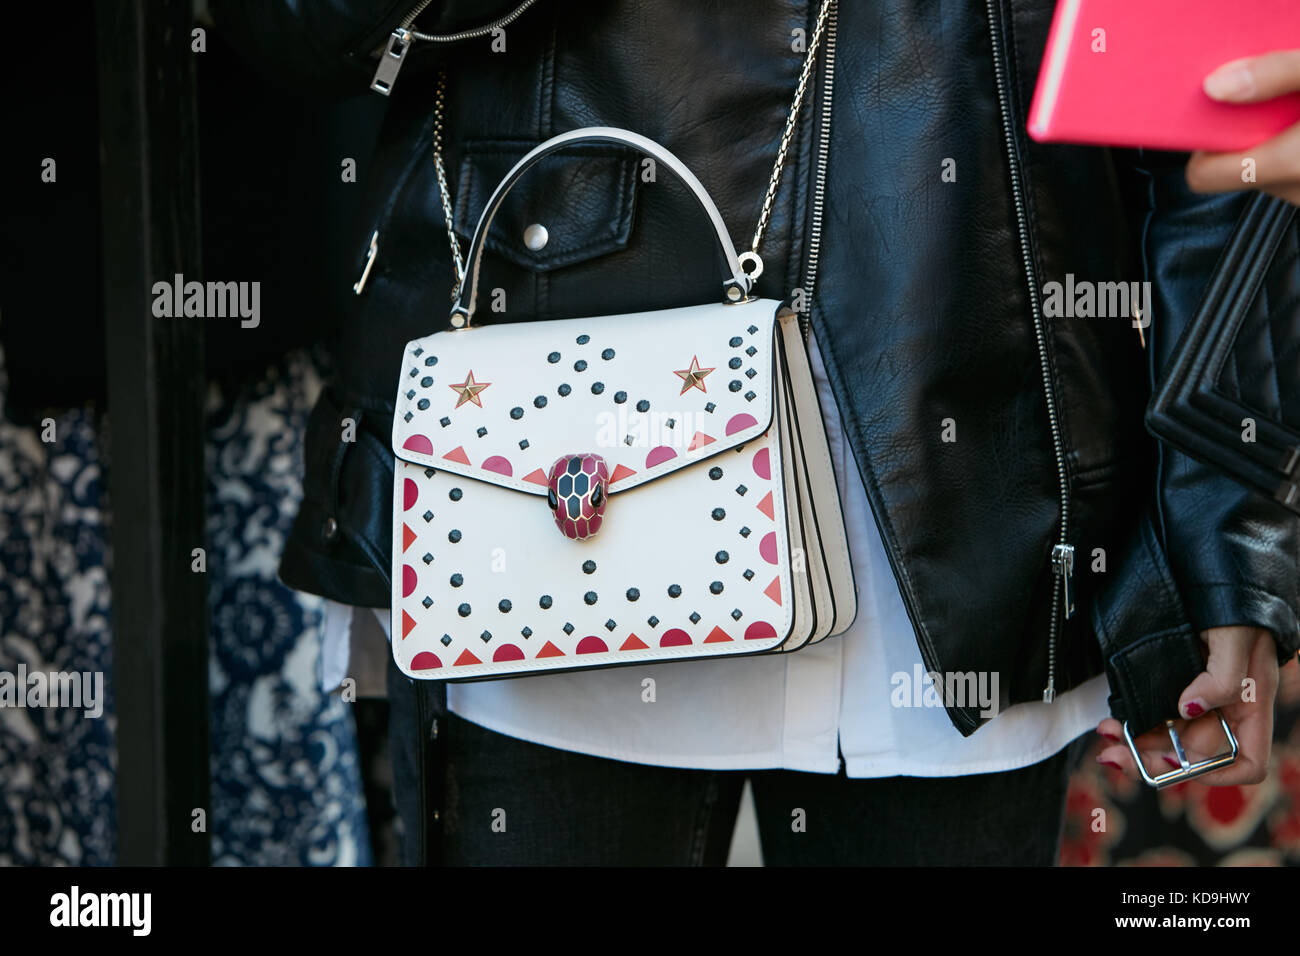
{"x": 616, "y": 489}
{"x": 611, "y": 490}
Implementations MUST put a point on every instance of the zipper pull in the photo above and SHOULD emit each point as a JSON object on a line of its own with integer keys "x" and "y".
{"x": 390, "y": 61}
{"x": 371, "y": 253}
{"x": 1063, "y": 562}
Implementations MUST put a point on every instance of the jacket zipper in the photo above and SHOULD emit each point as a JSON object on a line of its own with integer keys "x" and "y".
{"x": 399, "y": 43}
{"x": 819, "y": 176}
{"x": 1063, "y": 551}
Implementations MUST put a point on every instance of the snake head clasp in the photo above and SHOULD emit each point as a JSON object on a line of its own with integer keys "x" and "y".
{"x": 577, "y": 491}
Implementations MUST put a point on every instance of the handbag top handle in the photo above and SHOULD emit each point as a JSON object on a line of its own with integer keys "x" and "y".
{"x": 735, "y": 286}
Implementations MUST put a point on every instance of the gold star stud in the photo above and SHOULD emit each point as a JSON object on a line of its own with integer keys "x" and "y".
{"x": 468, "y": 390}
{"x": 693, "y": 377}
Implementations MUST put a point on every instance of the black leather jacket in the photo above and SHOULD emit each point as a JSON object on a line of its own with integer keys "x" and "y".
{"x": 927, "y": 298}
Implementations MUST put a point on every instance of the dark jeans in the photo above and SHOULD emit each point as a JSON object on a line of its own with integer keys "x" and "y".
{"x": 470, "y": 796}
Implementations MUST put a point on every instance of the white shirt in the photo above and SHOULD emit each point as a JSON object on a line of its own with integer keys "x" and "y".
{"x": 853, "y": 694}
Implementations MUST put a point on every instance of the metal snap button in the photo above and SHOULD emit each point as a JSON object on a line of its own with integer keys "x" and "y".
{"x": 330, "y": 529}
{"x": 536, "y": 237}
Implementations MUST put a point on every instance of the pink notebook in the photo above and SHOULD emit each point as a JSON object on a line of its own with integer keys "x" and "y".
{"x": 1145, "y": 89}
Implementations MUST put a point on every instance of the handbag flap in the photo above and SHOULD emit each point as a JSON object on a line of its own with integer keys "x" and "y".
{"x": 650, "y": 392}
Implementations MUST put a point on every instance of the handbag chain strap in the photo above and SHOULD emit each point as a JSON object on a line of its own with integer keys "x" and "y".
{"x": 755, "y": 264}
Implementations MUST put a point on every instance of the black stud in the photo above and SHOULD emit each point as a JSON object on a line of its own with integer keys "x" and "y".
{"x": 485, "y": 636}
{"x": 564, "y": 390}
{"x": 407, "y": 417}
{"x": 429, "y": 472}
{"x": 427, "y": 602}
{"x": 749, "y": 574}
{"x": 674, "y": 590}
{"x": 597, "y": 387}
{"x": 444, "y": 421}
{"x": 736, "y": 342}
{"x": 750, "y": 373}
{"x": 455, "y": 494}
{"x": 744, "y": 532}
{"x": 735, "y": 614}
{"x": 610, "y": 625}
{"x": 710, "y": 407}
{"x": 428, "y": 558}
{"x": 583, "y": 339}
{"x": 722, "y": 557}
{"x": 481, "y": 431}
{"x": 527, "y": 632}
{"x": 553, "y": 357}
{"x": 719, "y": 514}
{"x": 418, "y": 351}
{"x": 410, "y": 393}
{"x": 752, "y": 329}
{"x": 735, "y": 362}
{"x": 751, "y": 351}
{"x": 715, "y": 587}
{"x": 545, "y": 602}
{"x": 426, "y": 381}
{"x": 580, "y": 365}
{"x": 628, "y": 441}
{"x": 568, "y": 628}
{"x": 643, "y": 406}
{"x": 620, "y": 397}
{"x": 457, "y": 580}
{"x": 588, "y": 567}
{"x": 454, "y": 535}
{"x": 607, "y": 354}
{"x": 741, "y": 489}
{"x": 671, "y": 423}
{"x": 422, "y": 404}
{"x": 750, "y": 396}
{"x": 633, "y": 594}
{"x": 695, "y": 617}
{"x": 414, "y": 372}
{"x": 427, "y": 516}
{"x": 652, "y": 621}
{"x": 589, "y": 598}
{"x": 516, "y": 413}
{"x": 539, "y": 401}
{"x": 504, "y": 606}
{"x": 715, "y": 472}
{"x": 446, "y": 640}
{"x": 735, "y": 385}
{"x": 463, "y": 610}
{"x": 523, "y": 443}
{"x": 431, "y": 361}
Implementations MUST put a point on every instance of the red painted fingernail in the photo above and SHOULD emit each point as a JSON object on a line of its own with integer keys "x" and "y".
{"x": 1110, "y": 763}
{"x": 1171, "y": 761}
{"x": 1193, "y": 709}
{"x": 1110, "y": 737}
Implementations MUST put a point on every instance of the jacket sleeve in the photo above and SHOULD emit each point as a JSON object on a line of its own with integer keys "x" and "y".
{"x": 330, "y": 46}
{"x": 1234, "y": 554}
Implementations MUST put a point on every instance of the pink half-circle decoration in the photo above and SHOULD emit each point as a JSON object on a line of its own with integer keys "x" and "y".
{"x": 675, "y": 637}
{"x": 499, "y": 465}
{"x": 760, "y": 631}
{"x": 409, "y": 579}
{"x": 425, "y": 661}
{"x": 418, "y": 443}
{"x": 740, "y": 423}
{"x": 763, "y": 464}
{"x": 591, "y": 644}
{"x": 410, "y": 492}
{"x": 659, "y": 455}
{"x": 767, "y": 547}
{"x": 508, "y": 652}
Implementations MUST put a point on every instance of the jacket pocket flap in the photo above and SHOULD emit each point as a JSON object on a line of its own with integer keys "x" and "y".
{"x": 583, "y": 198}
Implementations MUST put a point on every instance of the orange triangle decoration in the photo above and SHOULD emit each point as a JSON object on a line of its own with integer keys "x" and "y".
{"x": 765, "y": 505}
{"x": 717, "y": 635}
{"x": 773, "y": 590}
{"x": 467, "y": 658}
{"x": 408, "y": 622}
{"x": 407, "y": 537}
{"x": 536, "y": 476}
{"x": 457, "y": 454}
{"x": 699, "y": 441}
{"x": 633, "y": 643}
{"x": 550, "y": 650}
{"x": 620, "y": 472}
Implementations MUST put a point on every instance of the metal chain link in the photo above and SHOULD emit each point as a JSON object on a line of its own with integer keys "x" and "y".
{"x": 439, "y": 107}
{"x": 790, "y": 122}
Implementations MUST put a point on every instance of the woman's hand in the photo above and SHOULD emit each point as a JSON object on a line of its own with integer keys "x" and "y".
{"x": 1276, "y": 161}
{"x": 1240, "y": 679}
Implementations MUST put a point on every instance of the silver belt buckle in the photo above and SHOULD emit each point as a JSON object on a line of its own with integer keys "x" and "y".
{"x": 1188, "y": 770}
